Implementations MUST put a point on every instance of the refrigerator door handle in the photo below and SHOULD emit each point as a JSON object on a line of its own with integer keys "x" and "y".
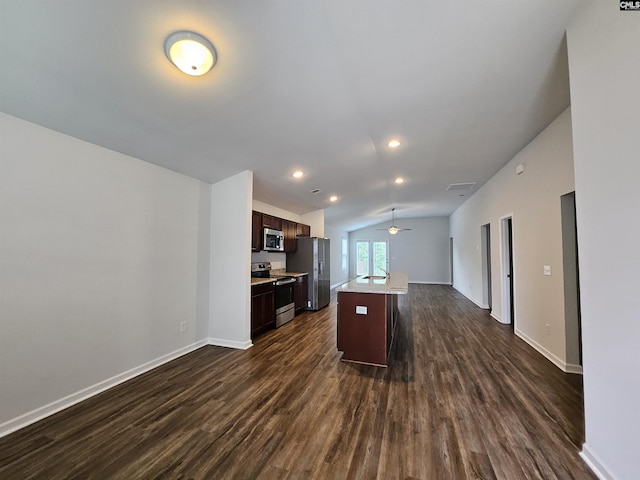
{"x": 320, "y": 268}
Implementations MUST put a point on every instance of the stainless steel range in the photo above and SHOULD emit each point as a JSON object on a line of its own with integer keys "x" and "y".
{"x": 284, "y": 295}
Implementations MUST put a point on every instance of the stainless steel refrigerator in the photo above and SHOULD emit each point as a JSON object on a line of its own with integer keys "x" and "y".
{"x": 312, "y": 256}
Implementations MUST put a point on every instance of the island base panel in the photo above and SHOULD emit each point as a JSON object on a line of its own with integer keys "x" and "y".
{"x": 363, "y": 338}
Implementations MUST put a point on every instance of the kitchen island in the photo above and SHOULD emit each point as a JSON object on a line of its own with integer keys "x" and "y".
{"x": 367, "y": 314}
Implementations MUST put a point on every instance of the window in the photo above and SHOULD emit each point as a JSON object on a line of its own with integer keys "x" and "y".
{"x": 345, "y": 255}
{"x": 371, "y": 257}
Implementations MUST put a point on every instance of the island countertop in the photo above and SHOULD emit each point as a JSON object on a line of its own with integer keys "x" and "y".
{"x": 396, "y": 283}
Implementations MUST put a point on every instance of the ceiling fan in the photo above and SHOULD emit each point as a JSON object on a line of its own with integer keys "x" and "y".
{"x": 393, "y": 229}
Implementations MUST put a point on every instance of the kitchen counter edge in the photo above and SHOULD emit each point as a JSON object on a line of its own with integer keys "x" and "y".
{"x": 397, "y": 283}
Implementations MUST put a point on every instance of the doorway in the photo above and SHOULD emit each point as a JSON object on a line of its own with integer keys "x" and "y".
{"x": 507, "y": 274}
{"x": 485, "y": 240}
{"x": 571, "y": 280}
{"x": 372, "y": 257}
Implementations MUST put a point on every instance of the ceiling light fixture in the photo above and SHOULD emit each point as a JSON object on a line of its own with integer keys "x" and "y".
{"x": 399, "y": 180}
{"x": 393, "y": 229}
{"x": 394, "y": 143}
{"x": 297, "y": 174}
{"x": 333, "y": 198}
{"x": 190, "y": 52}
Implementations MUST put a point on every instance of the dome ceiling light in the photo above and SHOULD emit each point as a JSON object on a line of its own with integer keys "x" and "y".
{"x": 190, "y": 52}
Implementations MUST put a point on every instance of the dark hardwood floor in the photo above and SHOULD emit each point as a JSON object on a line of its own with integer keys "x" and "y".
{"x": 462, "y": 398}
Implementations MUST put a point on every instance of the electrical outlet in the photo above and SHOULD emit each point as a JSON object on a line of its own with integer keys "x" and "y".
{"x": 547, "y": 329}
{"x": 183, "y": 327}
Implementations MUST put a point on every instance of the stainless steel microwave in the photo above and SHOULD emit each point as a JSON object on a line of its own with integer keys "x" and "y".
{"x": 273, "y": 240}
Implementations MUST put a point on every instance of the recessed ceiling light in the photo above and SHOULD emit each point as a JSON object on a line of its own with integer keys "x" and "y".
{"x": 394, "y": 143}
{"x": 333, "y": 198}
{"x": 190, "y": 52}
{"x": 399, "y": 180}
{"x": 297, "y": 174}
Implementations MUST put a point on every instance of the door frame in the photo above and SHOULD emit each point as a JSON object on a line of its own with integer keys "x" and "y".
{"x": 485, "y": 251}
{"x": 370, "y": 242}
{"x": 506, "y": 257}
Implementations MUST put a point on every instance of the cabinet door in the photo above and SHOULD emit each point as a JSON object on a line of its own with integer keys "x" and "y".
{"x": 271, "y": 222}
{"x": 263, "y": 309}
{"x": 256, "y": 231}
{"x": 301, "y": 292}
{"x": 289, "y": 230}
{"x": 303, "y": 230}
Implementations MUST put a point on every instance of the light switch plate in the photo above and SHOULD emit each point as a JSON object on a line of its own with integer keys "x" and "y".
{"x": 547, "y": 269}
{"x": 361, "y": 310}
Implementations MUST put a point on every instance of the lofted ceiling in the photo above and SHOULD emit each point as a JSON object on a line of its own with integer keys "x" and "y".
{"x": 315, "y": 85}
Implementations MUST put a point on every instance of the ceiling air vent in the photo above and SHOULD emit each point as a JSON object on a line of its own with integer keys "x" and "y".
{"x": 461, "y": 186}
{"x": 316, "y": 191}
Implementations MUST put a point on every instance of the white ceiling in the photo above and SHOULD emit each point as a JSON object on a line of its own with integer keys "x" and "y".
{"x": 317, "y": 85}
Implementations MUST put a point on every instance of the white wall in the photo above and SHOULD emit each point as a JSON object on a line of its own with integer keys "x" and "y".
{"x": 275, "y": 211}
{"x": 336, "y": 234}
{"x": 315, "y": 220}
{"x": 605, "y": 74}
{"x": 533, "y": 199}
{"x": 423, "y": 252}
{"x": 99, "y": 265}
{"x": 230, "y": 309}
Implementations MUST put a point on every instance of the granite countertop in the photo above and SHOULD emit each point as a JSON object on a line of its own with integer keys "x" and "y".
{"x": 396, "y": 283}
{"x": 282, "y": 273}
{"x": 274, "y": 275}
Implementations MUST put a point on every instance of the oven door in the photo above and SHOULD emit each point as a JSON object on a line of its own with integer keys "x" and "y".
{"x": 285, "y": 292}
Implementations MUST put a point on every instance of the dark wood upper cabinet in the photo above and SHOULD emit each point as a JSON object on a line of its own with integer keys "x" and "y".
{"x": 303, "y": 230}
{"x": 256, "y": 231}
{"x": 289, "y": 230}
{"x": 271, "y": 222}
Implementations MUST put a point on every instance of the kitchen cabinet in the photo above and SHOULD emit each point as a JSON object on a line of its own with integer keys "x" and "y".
{"x": 256, "y": 231}
{"x": 303, "y": 230}
{"x": 271, "y": 222}
{"x": 366, "y": 323}
{"x": 263, "y": 308}
{"x": 289, "y": 230}
{"x": 301, "y": 292}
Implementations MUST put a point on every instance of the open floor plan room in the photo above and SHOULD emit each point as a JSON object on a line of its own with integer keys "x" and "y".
{"x": 462, "y": 397}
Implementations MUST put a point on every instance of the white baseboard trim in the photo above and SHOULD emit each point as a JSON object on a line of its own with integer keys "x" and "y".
{"x": 557, "y": 361}
{"x": 573, "y": 368}
{"x": 484, "y": 307}
{"x": 54, "y": 407}
{"x": 495, "y": 316}
{"x": 594, "y": 463}
{"x": 222, "y": 342}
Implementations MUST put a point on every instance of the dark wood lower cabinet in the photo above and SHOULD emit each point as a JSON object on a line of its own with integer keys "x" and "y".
{"x": 263, "y": 308}
{"x": 301, "y": 292}
{"x": 366, "y": 323}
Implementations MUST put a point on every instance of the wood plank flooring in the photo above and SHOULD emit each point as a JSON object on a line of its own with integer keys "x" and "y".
{"x": 462, "y": 398}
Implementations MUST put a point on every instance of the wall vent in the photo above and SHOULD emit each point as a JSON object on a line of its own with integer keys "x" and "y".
{"x": 461, "y": 186}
